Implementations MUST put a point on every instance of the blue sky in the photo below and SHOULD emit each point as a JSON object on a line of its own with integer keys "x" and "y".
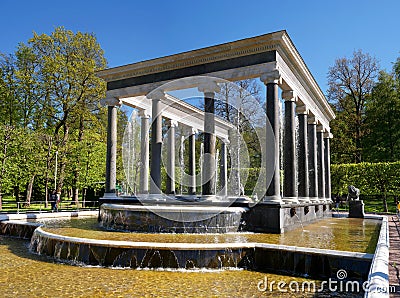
{"x": 131, "y": 31}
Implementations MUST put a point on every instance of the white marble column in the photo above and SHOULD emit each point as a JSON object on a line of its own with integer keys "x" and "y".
{"x": 171, "y": 157}
{"x": 144, "y": 152}
{"x": 290, "y": 194}
{"x": 223, "y": 173}
{"x": 192, "y": 162}
{"x": 271, "y": 80}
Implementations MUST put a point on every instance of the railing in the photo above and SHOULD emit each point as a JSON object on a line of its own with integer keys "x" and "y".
{"x": 43, "y": 206}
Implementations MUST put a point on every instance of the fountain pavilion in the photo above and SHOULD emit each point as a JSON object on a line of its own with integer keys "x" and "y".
{"x": 146, "y": 86}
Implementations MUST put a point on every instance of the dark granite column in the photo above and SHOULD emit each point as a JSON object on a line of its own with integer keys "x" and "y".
{"x": 312, "y": 159}
{"x": 223, "y": 173}
{"x": 111, "y": 158}
{"x": 156, "y": 143}
{"x": 327, "y": 156}
{"x": 271, "y": 80}
{"x": 144, "y": 152}
{"x": 302, "y": 161}
{"x": 192, "y": 162}
{"x": 208, "y": 170}
{"x": 171, "y": 157}
{"x": 289, "y": 150}
{"x": 321, "y": 163}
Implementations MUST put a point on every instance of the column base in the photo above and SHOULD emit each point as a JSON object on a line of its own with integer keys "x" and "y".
{"x": 291, "y": 200}
{"x": 303, "y": 200}
{"x": 211, "y": 198}
{"x": 323, "y": 200}
{"x": 273, "y": 200}
{"x": 110, "y": 195}
{"x": 157, "y": 197}
{"x": 314, "y": 200}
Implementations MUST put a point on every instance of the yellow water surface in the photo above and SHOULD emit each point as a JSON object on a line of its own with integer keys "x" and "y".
{"x": 347, "y": 234}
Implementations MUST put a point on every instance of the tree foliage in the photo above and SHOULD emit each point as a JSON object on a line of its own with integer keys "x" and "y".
{"x": 371, "y": 178}
{"x": 382, "y": 141}
{"x": 350, "y": 84}
{"x": 49, "y": 96}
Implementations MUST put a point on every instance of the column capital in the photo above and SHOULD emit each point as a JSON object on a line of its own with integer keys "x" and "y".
{"x": 273, "y": 76}
{"x": 289, "y": 95}
{"x": 303, "y": 110}
{"x": 320, "y": 128}
{"x": 111, "y": 101}
{"x": 144, "y": 114}
{"x": 226, "y": 141}
{"x": 193, "y": 131}
{"x": 311, "y": 119}
{"x": 328, "y": 135}
{"x": 209, "y": 87}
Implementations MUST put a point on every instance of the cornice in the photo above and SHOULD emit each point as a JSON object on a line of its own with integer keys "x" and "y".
{"x": 277, "y": 41}
{"x": 288, "y": 50}
{"x": 240, "y": 48}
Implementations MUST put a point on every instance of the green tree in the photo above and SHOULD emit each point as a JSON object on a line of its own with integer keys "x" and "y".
{"x": 49, "y": 96}
{"x": 15, "y": 148}
{"x": 382, "y": 142}
{"x": 343, "y": 146}
{"x": 350, "y": 84}
{"x": 9, "y": 103}
{"x": 66, "y": 65}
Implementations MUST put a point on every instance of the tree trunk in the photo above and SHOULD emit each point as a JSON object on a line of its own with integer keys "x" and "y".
{"x": 385, "y": 207}
{"x": 75, "y": 195}
{"x": 46, "y": 191}
{"x": 358, "y": 142}
{"x": 3, "y": 166}
{"x": 29, "y": 190}
{"x": 16, "y": 193}
{"x": 84, "y": 191}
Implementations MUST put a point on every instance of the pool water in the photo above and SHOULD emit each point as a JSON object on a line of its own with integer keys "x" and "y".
{"x": 346, "y": 234}
{"x": 27, "y": 275}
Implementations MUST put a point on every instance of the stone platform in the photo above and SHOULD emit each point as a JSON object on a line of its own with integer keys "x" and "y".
{"x": 172, "y": 218}
{"x": 270, "y": 218}
{"x": 204, "y": 216}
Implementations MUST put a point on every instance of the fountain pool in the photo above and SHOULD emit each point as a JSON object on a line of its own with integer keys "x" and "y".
{"x": 345, "y": 234}
{"x": 354, "y": 240}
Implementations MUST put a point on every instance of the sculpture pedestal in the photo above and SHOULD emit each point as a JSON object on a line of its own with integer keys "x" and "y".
{"x": 356, "y": 209}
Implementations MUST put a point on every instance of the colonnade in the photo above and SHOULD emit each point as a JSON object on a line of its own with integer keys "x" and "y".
{"x": 306, "y": 174}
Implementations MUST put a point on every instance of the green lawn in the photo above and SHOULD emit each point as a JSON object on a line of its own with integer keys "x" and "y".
{"x": 373, "y": 205}
{"x": 376, "y": 205}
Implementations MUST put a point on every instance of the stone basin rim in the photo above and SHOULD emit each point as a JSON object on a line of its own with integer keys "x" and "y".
{"x": 201, "y": 246}
{"x": 172, "y": 208}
